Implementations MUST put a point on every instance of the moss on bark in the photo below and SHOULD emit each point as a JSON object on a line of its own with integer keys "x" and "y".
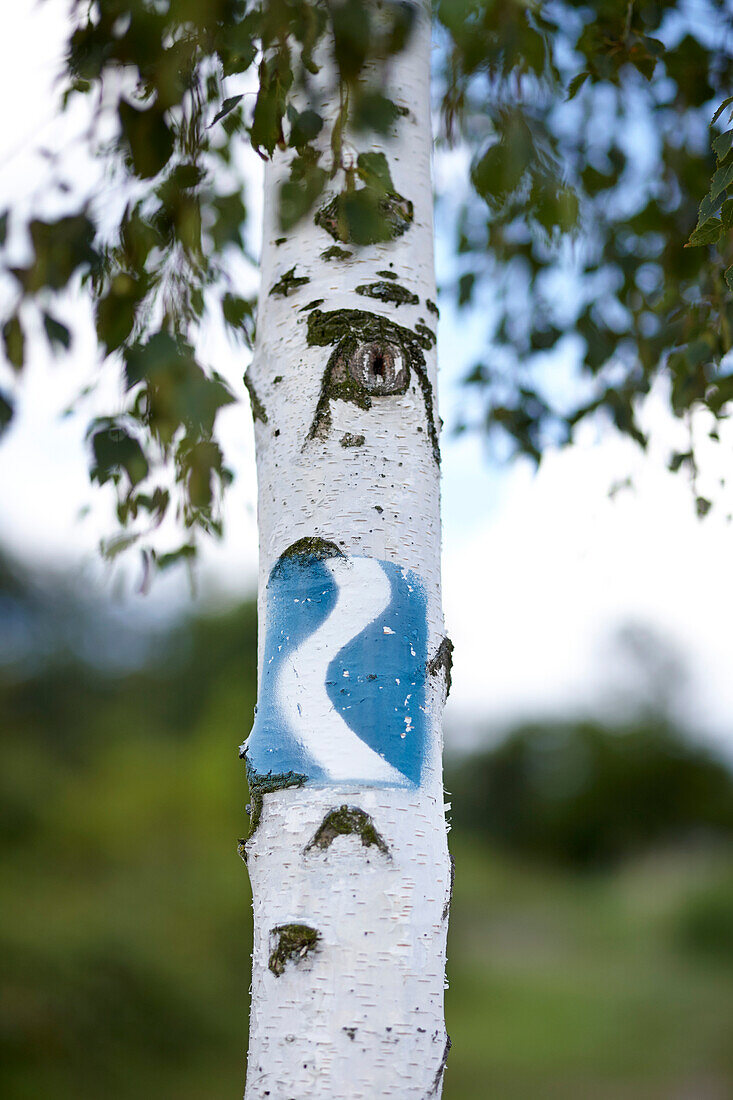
{"x": 294, "y": 943}
{"x": 389, "y": 292}
{"x": 259, "y": 786}
{"x": 348, "y": 439}
{"x": 288, "y": 282}
{"x": 347, "y": 821}
{"x": 258, "y": 409}
{"x": 313, "y": 546}
{"x": 449, "y": 899}
{"x": 350, "y": 329}
{"x": 336, "y": 253}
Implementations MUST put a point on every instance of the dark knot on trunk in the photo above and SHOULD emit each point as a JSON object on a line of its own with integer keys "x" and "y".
{"x": 380, "y": 368}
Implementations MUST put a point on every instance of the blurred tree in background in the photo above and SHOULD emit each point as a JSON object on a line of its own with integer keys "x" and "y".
{"x": 588, "y": 795}
{"x": 122, "y": 943}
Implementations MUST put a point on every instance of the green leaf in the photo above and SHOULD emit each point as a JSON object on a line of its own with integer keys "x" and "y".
{"x": 708, "y": 234}
{"x": 299, "y": 193}
{"x": 501, "y": 168}
{"x": 726, "y": 103}
{"x": 305, "y": 126}
{"x": 115, "y": 451}
{"x": 184, "y": 553}
{"x": 709, "y": 207}
{"x": 177, "y": 391}
{"x": 186, "y": 176}
{"x": 14, "y": 341}
{"x": 722, "y": 144}
{"x": 115, "y": 311}
{"x": 112, "y": 548}
{"x": 6, "y": 412}
{"x": 227, "y": 106}
{"x": 138, "y": 237}
{"x": 362, "y": 216}
{"x": 4, "y": 227}
{"x": 60, "y": 248}
{"x": 276, "y": 78}
{"x": 374, "y": 111}
{"x": 729, "y": 277}
{"x": 239, "y": 315}
{"x": 366, "y": 216}
{"x": 722, "y": 393}
{"x": 678, "y": 460}
{"x": 147, "y": 138}
{"x": 200, "y": 465}
{"x": 230, "y": 217}
{"x": 352, "y": 37}
{"x": 722, "y": 180}
{"x": 576, "y": 84}
{"x": 465, "y": 288}
{"x": 57, "y": 334}
{"x": 702, "y": 506}
{"x": 239, "y": 47}
{"x": 373, "y": 169}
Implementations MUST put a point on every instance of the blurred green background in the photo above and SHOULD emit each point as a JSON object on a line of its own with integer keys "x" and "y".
{"x": 591, "y": 937}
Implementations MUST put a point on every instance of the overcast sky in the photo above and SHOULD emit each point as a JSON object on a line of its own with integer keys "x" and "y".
{"x": 541, "y": 570}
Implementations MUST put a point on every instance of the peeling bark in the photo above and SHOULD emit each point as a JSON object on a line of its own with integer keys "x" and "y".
{"x": 443, "y": 659}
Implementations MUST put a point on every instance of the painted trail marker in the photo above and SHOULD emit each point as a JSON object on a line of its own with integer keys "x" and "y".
{"x": 342, "y": 690}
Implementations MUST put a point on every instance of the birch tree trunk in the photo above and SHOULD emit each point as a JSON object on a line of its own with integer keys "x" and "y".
{"x": 347, "y": 852}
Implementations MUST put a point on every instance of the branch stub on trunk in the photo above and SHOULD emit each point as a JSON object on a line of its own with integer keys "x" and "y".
{"x": 380, "y": 368}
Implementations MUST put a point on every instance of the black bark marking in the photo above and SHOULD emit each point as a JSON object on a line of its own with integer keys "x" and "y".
{"x": 347, "y": 821}
{"x": 449, "y": 899}
{"x": 432, "y": 1091}
{"x": 426, "y": 333}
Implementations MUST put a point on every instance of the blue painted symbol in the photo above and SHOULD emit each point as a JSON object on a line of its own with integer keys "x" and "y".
{"x": 342, "y": 688}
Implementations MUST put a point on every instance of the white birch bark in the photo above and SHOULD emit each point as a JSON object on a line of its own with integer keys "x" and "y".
{"x": 354, "y": 1007}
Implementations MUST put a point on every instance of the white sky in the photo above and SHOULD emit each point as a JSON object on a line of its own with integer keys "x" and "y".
{"x": 540, "y": 569}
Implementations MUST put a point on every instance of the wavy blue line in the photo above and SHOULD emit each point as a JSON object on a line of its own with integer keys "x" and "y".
{"x": 377, "y": 682}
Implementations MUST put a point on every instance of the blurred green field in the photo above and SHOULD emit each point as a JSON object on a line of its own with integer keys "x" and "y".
{"x": 125, "y": 924}
{"x": 580, "y": 988}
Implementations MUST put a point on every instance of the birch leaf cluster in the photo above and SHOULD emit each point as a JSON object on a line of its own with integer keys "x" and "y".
{"x": 597, "y": 208}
